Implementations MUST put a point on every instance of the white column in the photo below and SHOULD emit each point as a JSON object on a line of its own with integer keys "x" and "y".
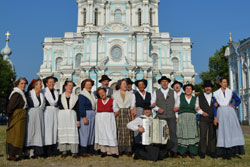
{"x": 156, "y": 19}
{"x": 127, "y": 14}
{"x": 107, "y": 14}
{"x": 80, "y": 16}
{"x": 90, "y": 13}
{"x": 145, "y": 13}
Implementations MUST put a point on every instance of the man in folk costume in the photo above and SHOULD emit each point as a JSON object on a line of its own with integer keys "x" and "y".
{"x": 207, "y": 127}
{"x": 50, "y": 115}
{"x": 151, "y": 152}
{"x": 142, "y": 100}
{"x": 68, "y": 121}
{"x": 165, "y": 102}
{"x": 176, "y": 86}
{"x": 105, "y": 84}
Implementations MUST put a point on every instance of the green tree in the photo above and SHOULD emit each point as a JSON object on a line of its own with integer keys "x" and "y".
{"x": 7, "y": 77}
{"x": 218, "y": 67}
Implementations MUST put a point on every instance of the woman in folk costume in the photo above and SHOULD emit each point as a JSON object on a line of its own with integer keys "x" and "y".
{"x": 125, "y": 106}
{"x": 16, "y": 114}
{"x": 105, "y": 125}
{"x": 50, "y": 115}
{"x": 230, "y": 139}
{"x": 68, "y": 121}
{"x": 187, "y": 130}
{"x": 87, "y": 105}
{"x": 35, "y": 120}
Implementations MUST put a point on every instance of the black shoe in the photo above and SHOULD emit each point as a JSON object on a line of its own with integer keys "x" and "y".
{"x": 103, "y": 155}
{"x": 213, "y": 155}
{"x": 115, "y": 156}
{"x": 136, "y": 157}
{"x": 202, "y": 156}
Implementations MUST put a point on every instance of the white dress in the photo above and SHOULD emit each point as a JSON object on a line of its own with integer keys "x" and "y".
{"x": 105, "y": 131}
{"x": 50, "y": 117}
{"x": 35, "y": 121}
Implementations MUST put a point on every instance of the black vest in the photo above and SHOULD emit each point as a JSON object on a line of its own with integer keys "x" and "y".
{"x": 140, "y": 102}
{"x": 205, "y": 107}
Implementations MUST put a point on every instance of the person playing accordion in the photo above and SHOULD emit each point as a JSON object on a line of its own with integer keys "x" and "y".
{"x": 152, "y": 151}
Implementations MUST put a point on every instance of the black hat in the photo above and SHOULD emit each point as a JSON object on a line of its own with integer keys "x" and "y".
{"x": 147, "y": 107}
{"x": 208, "y": 83}
{"x": 164, "y": 78}
{"x": 129, "y": 82}
{"x": 105, "y": 77}
{"x": 142, "y": 80}
{"x": 189, "y": 84}
{"x": 177, "y": 82}
{"x": 65, "y": 83}
{"x": 45, "y": 80}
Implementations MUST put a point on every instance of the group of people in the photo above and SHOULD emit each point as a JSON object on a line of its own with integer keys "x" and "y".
{"x": 42, "y": 122}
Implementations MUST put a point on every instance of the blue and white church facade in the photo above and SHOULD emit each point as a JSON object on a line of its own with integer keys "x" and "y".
{"x": 238, "y": 54}
{"x": 119, "y": 38}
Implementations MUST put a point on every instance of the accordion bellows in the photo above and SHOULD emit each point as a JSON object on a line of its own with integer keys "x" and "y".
{"x": 155, "y": 131}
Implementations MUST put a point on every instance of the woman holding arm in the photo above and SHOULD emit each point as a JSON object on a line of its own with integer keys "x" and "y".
{"x": 230, "y": 139}
{"x": 16, "y": 113}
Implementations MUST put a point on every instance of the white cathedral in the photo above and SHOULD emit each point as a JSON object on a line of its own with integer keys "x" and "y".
{"x": 119, "y": 38}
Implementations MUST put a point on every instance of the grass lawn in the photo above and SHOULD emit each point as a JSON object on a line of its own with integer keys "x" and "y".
{"x": 96, "y": 161}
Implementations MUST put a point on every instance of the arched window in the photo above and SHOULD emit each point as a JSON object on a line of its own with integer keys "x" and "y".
{"x": 155, "y": 60}
{"x": 175, "y": 64}
{"x": 118, "y": 15}
{"x": 78, "y": 60}
{"x": 151, "y": 17}
{"x": 84, "y": 17}
{"x": 96, "y": 17}
{"x": 139, "y": 17}
{"x": 58, "y": 63}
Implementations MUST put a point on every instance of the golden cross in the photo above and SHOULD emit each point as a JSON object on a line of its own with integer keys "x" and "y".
{"x": 7, "y": 35}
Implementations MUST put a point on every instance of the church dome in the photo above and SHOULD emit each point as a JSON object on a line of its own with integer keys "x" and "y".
{"x": 6, "y": 51}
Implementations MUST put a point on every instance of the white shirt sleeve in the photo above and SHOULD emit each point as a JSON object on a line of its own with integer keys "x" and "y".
{"x": 177, "y": 101}
{"x": 134, "y": 125}
{"x": 197, "y": 105}
{"x": 153, "y": 100}
{"x": 115, "y": 106}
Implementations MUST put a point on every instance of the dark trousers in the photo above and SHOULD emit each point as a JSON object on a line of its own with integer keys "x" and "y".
{"x": 207, "y": 132}
{"x": 172, "y": 132}
{"x": 153, "y": 152}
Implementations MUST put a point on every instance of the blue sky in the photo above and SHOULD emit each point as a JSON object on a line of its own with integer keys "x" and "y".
{"x": 208, "y": 23}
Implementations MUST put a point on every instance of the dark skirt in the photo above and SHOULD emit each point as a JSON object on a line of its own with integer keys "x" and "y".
{"x": 124, "y": 135}
{"x": 236, "y": 150}
{"x": 15, "y": 133}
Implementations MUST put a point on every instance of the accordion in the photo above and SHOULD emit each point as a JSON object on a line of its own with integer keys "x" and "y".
{"x": 155, "y": 131}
